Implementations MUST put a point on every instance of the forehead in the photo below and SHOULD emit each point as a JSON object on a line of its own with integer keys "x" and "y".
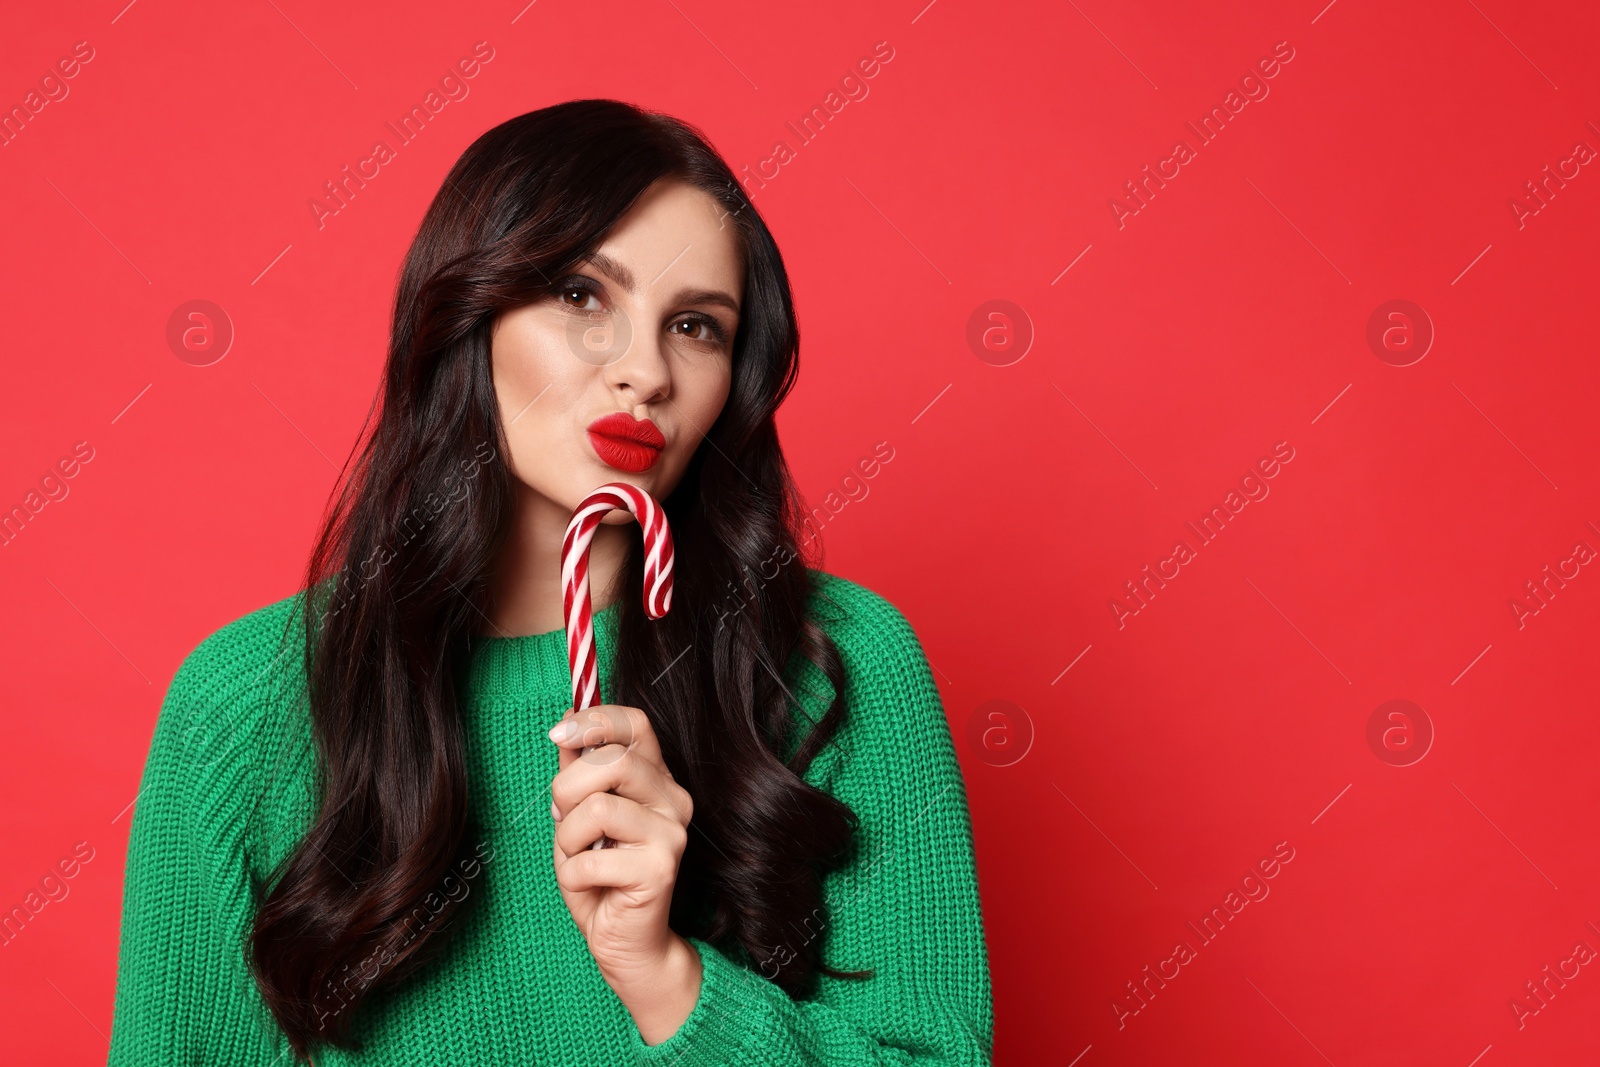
{"x": 676, "y": 236}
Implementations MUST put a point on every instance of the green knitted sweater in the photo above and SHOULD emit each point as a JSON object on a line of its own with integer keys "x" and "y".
{"x": 227, "y": 791}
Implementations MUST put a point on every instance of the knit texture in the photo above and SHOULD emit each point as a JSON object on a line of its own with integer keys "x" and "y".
{"x": 228, "y": 790}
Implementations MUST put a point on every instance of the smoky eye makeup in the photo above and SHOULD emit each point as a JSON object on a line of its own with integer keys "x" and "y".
{"x": 573, "y": 283}
{"x": 712, "y": 324}
{"x": 719, "y": 334}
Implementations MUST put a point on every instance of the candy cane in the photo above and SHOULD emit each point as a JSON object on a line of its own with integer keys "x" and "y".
{"x": 576, "y": 603}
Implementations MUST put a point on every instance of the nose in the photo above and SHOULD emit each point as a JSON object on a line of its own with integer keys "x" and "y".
{"x": 642, "y": 372}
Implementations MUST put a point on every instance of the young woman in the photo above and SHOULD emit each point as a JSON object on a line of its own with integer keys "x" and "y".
{"x": 341, "y": 851}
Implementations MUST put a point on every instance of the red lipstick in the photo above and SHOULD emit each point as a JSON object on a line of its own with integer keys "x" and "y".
{"x": 626, "y": 443}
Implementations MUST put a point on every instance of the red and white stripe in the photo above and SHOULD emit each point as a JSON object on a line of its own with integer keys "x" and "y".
{"x": 575, "y": 576}
{"x": 576, "y": 604}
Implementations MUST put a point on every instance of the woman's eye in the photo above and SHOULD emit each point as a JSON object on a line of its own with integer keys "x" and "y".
{"x": 581, "y": 301}
{"x": 699, "y": 330}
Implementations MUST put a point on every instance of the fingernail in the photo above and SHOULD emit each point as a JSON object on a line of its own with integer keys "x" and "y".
{"x": 555, "y": 812}
{"x": 561, "y": 731}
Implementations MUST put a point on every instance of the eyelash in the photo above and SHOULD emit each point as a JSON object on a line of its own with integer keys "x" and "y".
{"x": 577, "y": 282}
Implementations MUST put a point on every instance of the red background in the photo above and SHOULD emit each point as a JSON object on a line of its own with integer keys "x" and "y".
{"x": 1227, "y": 315}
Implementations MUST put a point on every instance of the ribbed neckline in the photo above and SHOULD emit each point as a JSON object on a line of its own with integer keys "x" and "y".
{"x": 536, "y": 664}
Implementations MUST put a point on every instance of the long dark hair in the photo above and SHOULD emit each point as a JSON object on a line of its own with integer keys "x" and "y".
{"x": 395, "y": 595}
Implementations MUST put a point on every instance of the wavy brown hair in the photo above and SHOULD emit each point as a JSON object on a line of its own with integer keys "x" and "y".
{"x": 395, "y": 595}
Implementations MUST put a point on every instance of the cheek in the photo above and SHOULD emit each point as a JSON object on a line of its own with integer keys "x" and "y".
{"x": 701, "y": 399}
{"x": 545, "y": 440}
{"x": 711, "y": 395}
{"x": 526, "y": 358}
{"x": 538, "y": 387}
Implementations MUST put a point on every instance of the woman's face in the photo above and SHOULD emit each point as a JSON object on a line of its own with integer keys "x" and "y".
{"x": 641, "y": 332}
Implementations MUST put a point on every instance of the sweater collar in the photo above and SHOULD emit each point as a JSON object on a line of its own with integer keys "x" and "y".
{"x": 536, "y": 665}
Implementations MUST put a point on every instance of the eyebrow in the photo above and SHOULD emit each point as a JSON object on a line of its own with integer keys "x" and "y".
{"x": 624, "y": 277}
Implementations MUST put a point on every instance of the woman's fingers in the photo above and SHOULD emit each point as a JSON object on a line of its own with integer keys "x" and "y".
{"x": 633, "y": 826}
{"x": 646, "y": 871}
{"x": 627, "y": 773}
{"x": 605, "y": 724}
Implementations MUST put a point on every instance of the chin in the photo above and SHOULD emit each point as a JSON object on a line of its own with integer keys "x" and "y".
{"x": 598, "y": 473}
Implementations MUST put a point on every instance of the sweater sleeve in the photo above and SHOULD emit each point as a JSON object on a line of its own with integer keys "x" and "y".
{"x": 184, "y": 991}
{"x": 908, "y": 906}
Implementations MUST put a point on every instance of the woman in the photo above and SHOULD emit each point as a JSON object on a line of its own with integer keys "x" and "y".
{"x": 340, "y": 851}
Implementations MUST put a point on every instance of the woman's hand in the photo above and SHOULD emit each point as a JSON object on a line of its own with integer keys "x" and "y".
{"x": 620, "y": 896}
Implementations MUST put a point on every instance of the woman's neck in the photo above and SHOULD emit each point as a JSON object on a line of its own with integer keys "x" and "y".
{"x": 526, "y": 597}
